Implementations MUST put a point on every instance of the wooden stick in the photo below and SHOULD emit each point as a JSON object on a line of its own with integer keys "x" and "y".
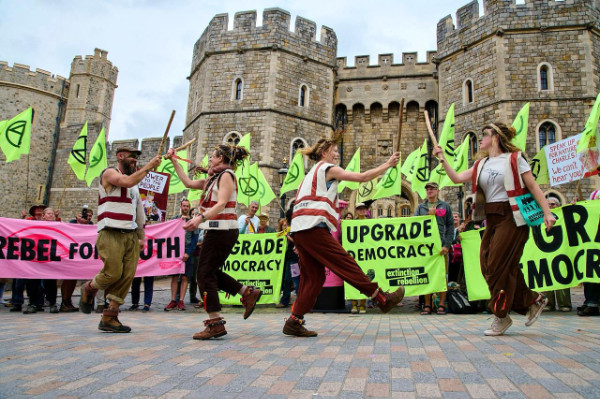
{"x": 397, "y": 148}
{"x": 186, "y": 145}
{"x": 429, "y": 129}
{"x": 164, "y": 139}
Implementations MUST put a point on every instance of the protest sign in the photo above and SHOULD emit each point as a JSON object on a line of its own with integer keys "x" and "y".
{"x": 395, "y": 252}
{"x": 257, "y": 260}
{"x": 55, "y": 250}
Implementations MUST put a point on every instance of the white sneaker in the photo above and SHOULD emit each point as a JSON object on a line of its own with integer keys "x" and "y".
{"x": 354, "y": 310}
{"x": 535, "y": 310}
{"x": 499, "y": 325}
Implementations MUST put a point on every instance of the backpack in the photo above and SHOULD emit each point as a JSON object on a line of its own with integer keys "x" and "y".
{"x": 458, "y": 303}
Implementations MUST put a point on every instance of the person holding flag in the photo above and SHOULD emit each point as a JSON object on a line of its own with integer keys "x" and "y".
{"x": 315, "y": 214}
{"x": 219, "y": 221}
{"x": 120, "y": 229}
{"x": 499, "y": 180}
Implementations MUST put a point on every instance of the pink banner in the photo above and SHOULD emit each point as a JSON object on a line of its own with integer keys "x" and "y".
{"x": 55, "y": 250}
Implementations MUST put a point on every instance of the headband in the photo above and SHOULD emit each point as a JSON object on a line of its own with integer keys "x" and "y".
{"x": 496, "y": 128}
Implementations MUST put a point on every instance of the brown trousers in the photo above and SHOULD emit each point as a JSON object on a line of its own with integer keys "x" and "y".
{"x": 120, "y": 253}
{"x": 216, "y": 247}
{"x": 501, "y": 249}
{"x": 318, "y": 249}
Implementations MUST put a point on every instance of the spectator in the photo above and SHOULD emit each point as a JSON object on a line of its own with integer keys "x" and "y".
{"x": 49, "y": 285}
{"x": 248, "y": 223}
{"x": 263, "y": 224}
{"x": 443, "y": 215}
{"x": 148, "y": 293}
{"x": 349, "y": 216}
{"x": 192, "y": 283}
{"x": 291, "y": 261}
{"x": 360, "y": 305}
{"x": 179, "y": 282}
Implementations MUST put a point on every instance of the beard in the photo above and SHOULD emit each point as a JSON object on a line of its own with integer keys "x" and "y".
{"x": 127, "y": 168}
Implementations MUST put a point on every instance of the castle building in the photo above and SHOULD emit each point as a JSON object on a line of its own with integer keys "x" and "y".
{"x": 289, "y": 89}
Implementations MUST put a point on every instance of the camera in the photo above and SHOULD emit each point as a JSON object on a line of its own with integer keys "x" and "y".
{"x": 84, "y": 212}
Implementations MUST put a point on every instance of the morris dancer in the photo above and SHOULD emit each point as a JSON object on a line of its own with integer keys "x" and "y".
{"x": 120, "y": 228}
{"x": 496, "y": 180}
{"x": 315, "y": 214}
{"x": 219, "y": 219}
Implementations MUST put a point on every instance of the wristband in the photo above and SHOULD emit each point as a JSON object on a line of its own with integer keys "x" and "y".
{"x": 202, "y": 218}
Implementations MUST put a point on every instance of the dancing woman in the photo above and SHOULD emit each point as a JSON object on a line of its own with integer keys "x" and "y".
{"x": 496, "y": 179}
{"x": 315, "y": 214}
{"x": 219, "y": 220}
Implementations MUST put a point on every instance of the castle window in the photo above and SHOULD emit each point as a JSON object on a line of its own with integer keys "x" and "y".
{"x": 545, "y": 77}
{"x": 341, "y": 117}
{"x": 238, "y": 89}
{"x": 389, "y": 211}
{"x": 547, "y": 134}
{"x": 468, "y": 92}
{"x": 232, "y": 138}
{"x": 195, "y": 101}
{"x": 77, "y": 91}
{"x": 303, "y": 96}
{"x": 473, "y": 145}
{"x": 297, "y": 144}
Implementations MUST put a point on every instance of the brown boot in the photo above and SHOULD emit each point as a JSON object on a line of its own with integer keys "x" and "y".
{"x": 295, "y": 326}
{"x": 249, "y": 299}
{"x": 86, "y": 302}
{"x": 215, "y": 328}
{"x": 111, "y": 323}
{"x": 386, "y": 301}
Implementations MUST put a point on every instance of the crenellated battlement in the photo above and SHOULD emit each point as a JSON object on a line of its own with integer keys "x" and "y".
{"x": 502, "y": 16}
{"x": 274, "y": 33}
{"x": 386, "y": 61}
{"x": 97, "y": 64}
{"x": 40, "y": 79}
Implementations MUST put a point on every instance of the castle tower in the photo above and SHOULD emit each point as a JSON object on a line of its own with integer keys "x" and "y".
{"x": 265, "y": 80}
{"x": 25, "y": 179}
{"x": 542, "y": 52}
{"x": 367, "y": 103}
{"x": 92, "y": 83}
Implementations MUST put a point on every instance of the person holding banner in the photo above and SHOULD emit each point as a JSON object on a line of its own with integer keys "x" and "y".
{"x": 503, "y": 183}
{"x": 120, "y": 228}
{"x": 218, "y": 218}
{"x": 315, "y": 214}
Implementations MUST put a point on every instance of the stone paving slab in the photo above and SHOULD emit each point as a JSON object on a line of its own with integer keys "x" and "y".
{"x": 397, "y": 355}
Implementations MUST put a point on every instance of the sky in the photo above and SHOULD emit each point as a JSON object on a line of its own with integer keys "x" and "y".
{"x": 151, "y": 42}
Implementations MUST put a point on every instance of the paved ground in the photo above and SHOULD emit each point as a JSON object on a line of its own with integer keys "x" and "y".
{"x": 401, "y": 354}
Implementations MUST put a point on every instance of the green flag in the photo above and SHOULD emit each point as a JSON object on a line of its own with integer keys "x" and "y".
{"x": 520, "y": 124}
{"x": 408, "y": 168}
{"x": 253, "y": 186}
{"x": 390, "y": 183}
{"x": 460, "y": 163}
{"x": 366, "y": 191}
{"x": 245, "y": 142}
{"x": 422, "y": 173}
{"x": 295, "y": 174}
{"x": 353, "y": 166}
{"x": 78, "y": 156}
{"x": 98, "y": 159}
{"x": 15, "y": 135}
{"x": 589, "y": 137}
{"x": 193, "y": 194}
{"x": 175, "y": 184}
{"x": 447, "y": 143}
{"x": 539, "y": 167}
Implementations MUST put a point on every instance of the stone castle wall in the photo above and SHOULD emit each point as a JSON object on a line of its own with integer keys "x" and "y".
{"x": 501, "y": 53}
{"x": 273, "y": 64}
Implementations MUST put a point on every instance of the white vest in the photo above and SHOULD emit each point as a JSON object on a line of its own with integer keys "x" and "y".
{"x": 315, "y": 203}
{"x": 227, "y": 218}
{"x": 117, "y": 207}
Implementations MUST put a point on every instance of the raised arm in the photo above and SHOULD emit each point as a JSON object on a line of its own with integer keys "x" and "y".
{"x": 112, "y": 177}
{"x": 340, "y": 174}
{"x": 189, "y": 183}
{"x": 461, "y": 177}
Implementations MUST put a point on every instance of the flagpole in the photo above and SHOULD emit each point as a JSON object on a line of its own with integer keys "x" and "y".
{"x": 429, "y": 129}
{"x": 27, "y": 184}
{"x": 583, "y": 169}
{"x": 164, "y": 139}
{"x": 401, "y": 113}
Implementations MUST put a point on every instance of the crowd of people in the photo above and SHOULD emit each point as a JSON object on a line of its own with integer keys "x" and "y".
{"x": 311, "y": 228}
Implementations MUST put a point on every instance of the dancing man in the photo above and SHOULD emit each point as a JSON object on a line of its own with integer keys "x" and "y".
{"x": 120, "y": 229}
